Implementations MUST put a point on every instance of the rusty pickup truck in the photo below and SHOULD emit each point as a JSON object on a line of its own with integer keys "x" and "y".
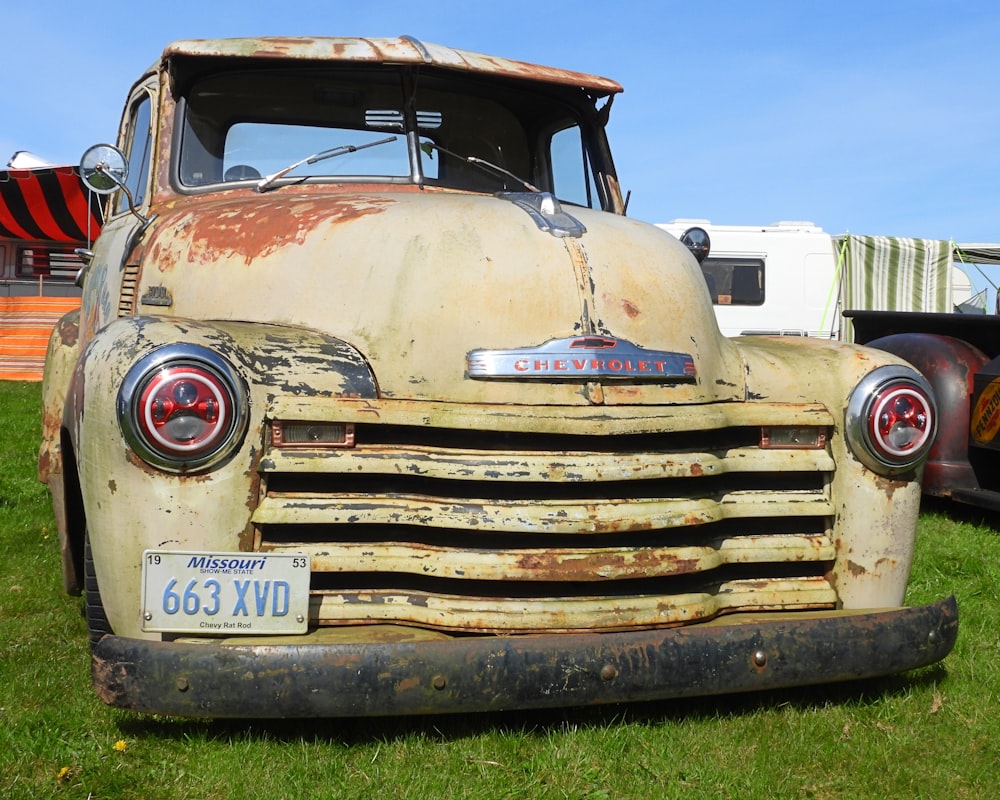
{"x": 377, "y": 404}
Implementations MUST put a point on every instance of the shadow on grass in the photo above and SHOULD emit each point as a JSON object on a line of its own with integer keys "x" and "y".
{"x": 363, "y": 731}
{"x": 961, "y": 512}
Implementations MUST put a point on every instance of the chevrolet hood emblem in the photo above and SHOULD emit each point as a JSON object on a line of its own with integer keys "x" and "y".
{"x": 589, "y": 357}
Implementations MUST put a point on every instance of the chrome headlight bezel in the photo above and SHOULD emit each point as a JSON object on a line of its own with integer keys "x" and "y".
{"x": 891, "y": 420}
{"x": 209, "y": 408}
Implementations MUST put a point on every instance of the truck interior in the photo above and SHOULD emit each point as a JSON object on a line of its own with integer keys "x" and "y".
{"x": 365, "y": 125}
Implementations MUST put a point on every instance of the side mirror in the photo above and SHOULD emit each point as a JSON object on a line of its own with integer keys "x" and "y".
{"x": 104, "y": 169}
{"x": 698, "y": 242}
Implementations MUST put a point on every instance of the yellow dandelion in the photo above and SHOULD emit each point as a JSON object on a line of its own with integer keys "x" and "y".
{"x": 120, "y": 745}
{"x": 63, "y": 774}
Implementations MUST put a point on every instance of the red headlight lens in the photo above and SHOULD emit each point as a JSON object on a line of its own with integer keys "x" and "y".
{"x": 900, "y": 422}
{"x": 183, "y": 407}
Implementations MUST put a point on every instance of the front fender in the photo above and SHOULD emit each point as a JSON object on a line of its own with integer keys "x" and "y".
{"x": 60, "y": 361}
{"x": 873, "y": 563}
{"x": 131, "y": 505}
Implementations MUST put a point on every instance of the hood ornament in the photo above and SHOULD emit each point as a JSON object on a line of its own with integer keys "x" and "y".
{"x": 588, "y": 357}
{"x": 547, "y": 213}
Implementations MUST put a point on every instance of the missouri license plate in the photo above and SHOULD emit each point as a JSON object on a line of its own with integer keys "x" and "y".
{"x": 228, "y": 593}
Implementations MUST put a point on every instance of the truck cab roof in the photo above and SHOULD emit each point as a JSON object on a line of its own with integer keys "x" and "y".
{"x": 184, "y": 54}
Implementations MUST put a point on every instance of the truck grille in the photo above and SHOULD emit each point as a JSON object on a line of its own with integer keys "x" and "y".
{"x": 631, "y": 524}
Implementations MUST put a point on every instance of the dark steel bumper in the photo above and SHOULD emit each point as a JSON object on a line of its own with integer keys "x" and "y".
{"x": 982, "y": 498}
{"x": 501, "y": 673}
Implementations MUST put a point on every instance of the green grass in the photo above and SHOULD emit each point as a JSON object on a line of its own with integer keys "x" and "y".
{"x": 928, "y": 734}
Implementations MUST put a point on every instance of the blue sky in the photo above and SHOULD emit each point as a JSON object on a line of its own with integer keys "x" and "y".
{"x": 868, "y": 117}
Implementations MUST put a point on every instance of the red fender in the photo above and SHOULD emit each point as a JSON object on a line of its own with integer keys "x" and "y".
{"x": 950, "y": 365}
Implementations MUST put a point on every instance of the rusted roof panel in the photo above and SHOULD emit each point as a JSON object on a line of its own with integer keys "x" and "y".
{"x": 401, "y": 50}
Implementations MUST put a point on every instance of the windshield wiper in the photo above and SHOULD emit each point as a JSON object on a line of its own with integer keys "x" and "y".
{"x": 486, "y": 166}
{"x": 267, "y": 181}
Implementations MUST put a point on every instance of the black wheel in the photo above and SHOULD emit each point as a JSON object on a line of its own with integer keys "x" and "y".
{"x": 97, "y": 622}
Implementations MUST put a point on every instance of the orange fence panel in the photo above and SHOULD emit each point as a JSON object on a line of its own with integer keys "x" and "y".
{"x": 25, "y": 325}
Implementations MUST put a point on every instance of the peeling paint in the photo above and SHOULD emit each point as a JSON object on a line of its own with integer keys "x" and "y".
{"x": 630, "y": 308}
{"x": 249, "y": 229}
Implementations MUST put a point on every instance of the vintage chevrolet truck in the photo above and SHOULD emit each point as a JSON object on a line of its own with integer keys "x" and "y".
{"x": 378, "y": 404}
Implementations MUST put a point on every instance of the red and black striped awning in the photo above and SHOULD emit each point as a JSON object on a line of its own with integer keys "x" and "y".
{"x": 49, "y": 203}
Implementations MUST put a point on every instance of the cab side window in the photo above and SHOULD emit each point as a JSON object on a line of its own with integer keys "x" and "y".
{"x": 572, "y": 178}
{"x": 138, "y": 148}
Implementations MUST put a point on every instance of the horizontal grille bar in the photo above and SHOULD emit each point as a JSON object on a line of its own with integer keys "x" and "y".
{"x": 555, "y": 614}
{"x": 559, "y": 563}
{"x": 534, "y": 515}
{"x": 583, "y": 420}
{"x": 544, "y": 466}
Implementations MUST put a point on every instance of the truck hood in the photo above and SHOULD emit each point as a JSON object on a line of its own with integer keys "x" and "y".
{"x": 417, "y": 280}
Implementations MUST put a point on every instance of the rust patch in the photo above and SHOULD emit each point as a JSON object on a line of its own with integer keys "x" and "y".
{"x": 555, "y": 566}
{"x": 408, "y": 684}
{"x": 250, "y": 230}
{"x": 45, "y": 464}
{"x": 584, "y": 283}
{"x": 631, "y": 309}
{"x": 69, "y": 331}
{"x": 856, "y": 569}
{"x": 106, "y": 676}
{"x": 52, "y": 420}
{"x": 888, "y": 486}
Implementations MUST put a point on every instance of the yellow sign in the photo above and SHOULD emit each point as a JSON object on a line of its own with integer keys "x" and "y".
{"x": 985, "y": 418}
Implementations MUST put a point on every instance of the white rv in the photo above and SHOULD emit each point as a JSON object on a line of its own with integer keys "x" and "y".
{"x": 793, "y": 278}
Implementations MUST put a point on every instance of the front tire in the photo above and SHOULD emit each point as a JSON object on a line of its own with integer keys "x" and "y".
{"x": 97, "y": 621}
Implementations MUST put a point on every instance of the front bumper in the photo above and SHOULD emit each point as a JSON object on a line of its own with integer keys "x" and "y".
{"x": 737, "y": 653}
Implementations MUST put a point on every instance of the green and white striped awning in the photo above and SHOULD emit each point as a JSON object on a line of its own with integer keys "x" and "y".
{"x": 977, "y": 253}
{"x": 888, "y": 273}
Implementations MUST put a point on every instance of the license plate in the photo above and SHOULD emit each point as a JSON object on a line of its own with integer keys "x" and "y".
{"x": 228, "y": 593}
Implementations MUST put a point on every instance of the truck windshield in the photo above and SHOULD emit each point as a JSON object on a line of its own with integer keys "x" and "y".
{"x": 464, "y": 134}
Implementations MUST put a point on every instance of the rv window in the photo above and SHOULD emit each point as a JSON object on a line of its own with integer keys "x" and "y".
{"x": 40, "y": 261}
{"x": 734, "y": 281}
